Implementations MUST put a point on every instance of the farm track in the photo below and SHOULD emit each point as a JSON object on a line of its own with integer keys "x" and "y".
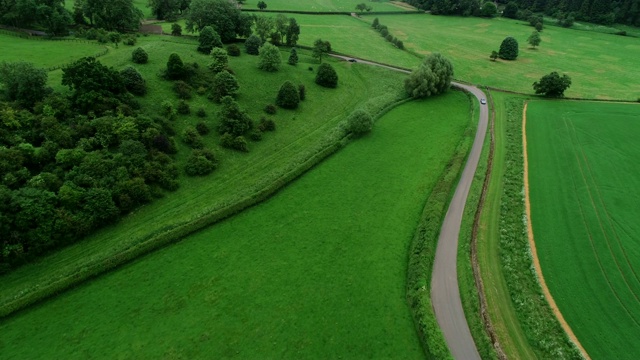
{"x": 445, "y": 293}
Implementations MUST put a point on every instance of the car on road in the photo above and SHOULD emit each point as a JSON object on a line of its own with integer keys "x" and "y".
{"x": 352, "y": 60}
{"x": 483, "y": 101}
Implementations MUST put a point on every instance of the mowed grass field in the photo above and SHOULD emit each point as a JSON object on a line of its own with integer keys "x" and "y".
{"x": 600, "y": 65}
{"x": 299, "y": 134}
{"x": 326, "y": 5}
{"x": 584, "y": 188}
{"x": 318, "y": 271}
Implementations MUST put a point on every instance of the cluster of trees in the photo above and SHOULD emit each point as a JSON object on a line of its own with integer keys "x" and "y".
{"x": 432, "y": 77}
{"x": 362, "y": 7}
{"x": 384, "y": 31}
{"x": 222, "y": 15}
{"x": 279, "y": 30}
{"x": 168, "y": 9}
{"x": 69, "y": 165}
{"x": 597, "y": 11}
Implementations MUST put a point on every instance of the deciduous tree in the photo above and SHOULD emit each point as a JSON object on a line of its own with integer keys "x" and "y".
{"x": 270, "y": 58}
{"x": 288, "y": 96}
{"x": 432, "y": 77}
{"x": 534, "y": 39}
{"x": 225, "y": 18}
{"x": 552, "y": 85}
{"x": 208, "y": 39}
{"x": 23, "y": 82}
{"x": 508, "y": 49}
{"x": 327, "y": 76}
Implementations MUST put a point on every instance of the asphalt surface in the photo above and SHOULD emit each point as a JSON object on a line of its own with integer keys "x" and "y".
{"x": 445, "y": 294}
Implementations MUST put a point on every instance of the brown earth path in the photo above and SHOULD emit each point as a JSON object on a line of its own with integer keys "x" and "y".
{"x": 532, "y": 244}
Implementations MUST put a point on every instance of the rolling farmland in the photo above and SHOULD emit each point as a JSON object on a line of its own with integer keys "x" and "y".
{"x": 584, "y": 188}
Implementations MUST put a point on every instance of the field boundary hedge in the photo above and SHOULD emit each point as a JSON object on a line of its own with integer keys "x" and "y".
{"x": 93, "y": 268}
{"x": 538, "y": 322}
{"x": 423, "y": 249}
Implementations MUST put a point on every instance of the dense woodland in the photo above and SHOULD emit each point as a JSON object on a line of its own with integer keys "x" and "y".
{"x": 596, "y": 11}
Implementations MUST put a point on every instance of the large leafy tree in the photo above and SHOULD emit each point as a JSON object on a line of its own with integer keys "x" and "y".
{"x": 327, "y": 76}
{"x": 168, "y": 9}
{"x": 225, "y": 18}
{"x": 23, "y": 82}
{"x": 320, "y": 48}
{"x": 534, "y": 39}
{"x": 270, "y": 58}
{"x": 288, "y": 96}
{"x": 508, "y": 49}
{"x": 120, "y": 15}
{"x": 432, "y": 77}
{"x": 48, "y": 14}
{"x": 552, "y": 85}
{"x": 208, "y": 39}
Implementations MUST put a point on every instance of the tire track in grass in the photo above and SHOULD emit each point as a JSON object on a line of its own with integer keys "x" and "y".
{"x": 585, "y": 177}
{"x": 607, "y": 215}
{"x": 532, "y": 244}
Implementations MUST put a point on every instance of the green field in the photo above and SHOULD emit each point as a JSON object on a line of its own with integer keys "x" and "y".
{"x": 299, "y": 135}
{"x": 325, "y": 5}
{"x": 468, "y": 42}
{"x": 317, "y": 271}
{"x": 584, "y": 203}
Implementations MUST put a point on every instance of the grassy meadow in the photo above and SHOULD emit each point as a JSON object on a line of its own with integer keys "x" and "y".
{"x": 326, "y": 5}
{"x": 317, "y": 271}
{"x": 584, "y": 204}
{"x": 300, "y": 133}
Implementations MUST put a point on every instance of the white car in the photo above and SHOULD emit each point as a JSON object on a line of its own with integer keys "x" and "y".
{"x": 483, "y": 101}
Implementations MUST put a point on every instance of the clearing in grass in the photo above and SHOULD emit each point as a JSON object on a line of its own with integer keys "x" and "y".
{"x": 317, "y": 271}
{"x": 584, "y": 193}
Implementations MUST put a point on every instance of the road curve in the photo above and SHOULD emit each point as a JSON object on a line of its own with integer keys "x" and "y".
{"x": 445, "y": 294}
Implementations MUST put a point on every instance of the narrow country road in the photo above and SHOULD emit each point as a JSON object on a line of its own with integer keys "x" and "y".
{"x": 445, "y": 294}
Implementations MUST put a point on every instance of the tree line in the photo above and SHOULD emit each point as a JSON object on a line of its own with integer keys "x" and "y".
{"x": 596, "y": 11}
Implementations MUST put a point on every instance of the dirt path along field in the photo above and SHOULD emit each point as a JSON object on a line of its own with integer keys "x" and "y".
{"x": 532, "y": 244}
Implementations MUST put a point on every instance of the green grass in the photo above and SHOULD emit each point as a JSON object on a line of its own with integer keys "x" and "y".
{"x": 299, "y": 135}
{"x": 317, "y": 271}
{"x": 45, "y": 53}
{"x": 584, "y": 196}
{"x": 599, "y": 64}
{"x": 466, "y": 281}
{"x": 323, "y": 5}
{"x": 504, "y": 319}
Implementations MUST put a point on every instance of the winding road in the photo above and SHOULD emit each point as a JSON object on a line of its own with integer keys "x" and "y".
{"x": 445, "y": 294}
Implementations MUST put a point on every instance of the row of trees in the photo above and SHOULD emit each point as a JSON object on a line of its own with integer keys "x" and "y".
{"x": 598, "y": 11}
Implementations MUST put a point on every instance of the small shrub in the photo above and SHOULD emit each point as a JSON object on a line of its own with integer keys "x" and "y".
{"x": 203, "y": 128}
{"x": 238, "y": 143}
{"x": 266, "y": 125}
{"x": 359, "y": 122}
{"x": 201, "y": 162}
{"x": 310, "y": 68}
{"x": 167, "y": 109}
{"x": 183, "y": 108}
{"x": 191, "y": 137}
{"x": 139, "y": 56}
{"x": 201, "y": 90}
{"x": 255, "y": 135}
{"x": 302, "y": 91}
{"x": 270, "y": 109}
{"x": 175, "y": 67}
{"x": 233, "y": 50}
{"x": 288, "y": 96}
{"x": 252, "y": 44}
{"x": 176, "y": 29}
{"x": 389, "y": 37}
{"x": 182, "y": 89}
{"x": 133, "y": 81}
{"x": 201, "y": 112}
{"x": 130, "y": 40}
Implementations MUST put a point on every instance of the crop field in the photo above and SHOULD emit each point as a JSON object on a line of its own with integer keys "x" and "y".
{"x": 584, "y": 188}
{"x": 317, "y": 271}
{"x": 468, "y": 42}
{"x": 326, "y": 5}
{"x": 299, "y": 135}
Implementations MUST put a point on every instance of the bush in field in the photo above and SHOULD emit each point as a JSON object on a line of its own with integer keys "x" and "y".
{"x": 552, "y": 85}
{"x": 167, "y": 109}
{"x": 208, "y": 39}
{"x": 270, "y": 58}
{"x": 508, "y": 49}
{"x": 233, "y": 119}
{"x": 201, "y": 162}
{"x": 252, "y": 44}
{"x": 176, "y": 29}
{"x": 224, "y": 84}
{"x": 220, "y": 60}
{"x": 234, "y": 142}
{"x": 359, "y": 122}
{"x": 327, "y": 76}
{"x": 302, "y": 91}
{"x": 293, "y": 57}
{"x": 191, "y": 137}
{"x": 130, "y": 40}
{"x": 133, "y": 81}
{"x": 270, "y": 109}
{"x": 182, "y": 89}
{"x": 233, "y": 50}
{"x": 432, "y": 77}
{"x": 266, "y": 125}
{"x": 201, "y": 112}
{"x": 175, "y": 67}
{"x": 288, "y": 96}
{"x": 183, "y": 108}
{"x": 203, "y": 128}
{"x": 255, "y": 135}
{"x": 139, "y": 56}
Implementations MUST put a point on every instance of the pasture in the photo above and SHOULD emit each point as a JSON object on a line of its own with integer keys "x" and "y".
{"x": 326, "y": 5}
{"x": 584, "y": 205}
{"x": 300, "y": 134}
{"x": 317, "y": 271}
{"x": 599, "y": 64}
